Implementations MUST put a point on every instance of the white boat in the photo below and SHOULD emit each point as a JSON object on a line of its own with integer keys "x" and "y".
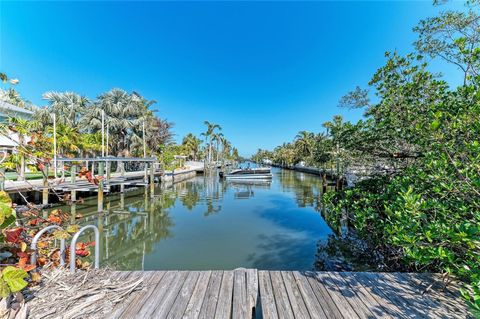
{"x": 248, "y": 174}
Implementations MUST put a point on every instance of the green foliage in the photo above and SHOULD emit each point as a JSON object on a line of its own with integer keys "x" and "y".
{"x": 419, "y": 202}
{"x": 12, "y": 280}
{"x": 7, "y": 213}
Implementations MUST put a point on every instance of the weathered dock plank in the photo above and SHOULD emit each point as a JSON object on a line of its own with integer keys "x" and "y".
{"x": 211, "y": 297}
{"x": 166, "y": 303}
{"x": 267, "y": 299}
{"x": 296, "y": 301}
{"x": 351, "y": 296}
{"x": 339, "y": 299}
{"x": 286, "y": 294}
{"x": 314, "y": 308}
{"x": 195, "y": 304}
{"x": 224, "y": 305}
{"x": 240, "y": 306}
{"x": 181, "y": 302}
{"x": 280, "y": 294}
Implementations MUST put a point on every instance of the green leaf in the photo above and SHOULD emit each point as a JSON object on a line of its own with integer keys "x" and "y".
{"x": 5, "y": 207}
{"x": 61, "y": 234}
{"x": 4, "y": 289}
{"x": 5, "y": 198}
{"x": 15, "y": 278}
{"x": 435, "y": 124}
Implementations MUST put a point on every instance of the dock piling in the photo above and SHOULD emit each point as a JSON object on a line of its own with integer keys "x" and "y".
{"x": 152, "y": 180}
{"x": 45, "y": 186}
{"x": 122, "y": 174}
{"x": 100, "y": 187}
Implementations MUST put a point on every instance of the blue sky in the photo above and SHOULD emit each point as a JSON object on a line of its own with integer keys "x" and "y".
{"x": 262, "y": 70}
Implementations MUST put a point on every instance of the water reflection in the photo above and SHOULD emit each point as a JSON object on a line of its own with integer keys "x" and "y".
{"x": 206, "y": 223}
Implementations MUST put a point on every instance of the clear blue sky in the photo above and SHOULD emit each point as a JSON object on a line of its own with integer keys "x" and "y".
{"x": 264, "y": 71}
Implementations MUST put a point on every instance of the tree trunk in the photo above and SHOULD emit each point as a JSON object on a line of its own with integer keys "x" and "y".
{"x": 21, "y": 177}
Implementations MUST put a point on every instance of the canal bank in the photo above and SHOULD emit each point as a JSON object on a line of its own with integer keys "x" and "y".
{"x": 80, "y": 185}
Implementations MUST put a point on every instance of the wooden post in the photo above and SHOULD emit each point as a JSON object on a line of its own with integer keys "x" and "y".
{"x": 100, "y": 187}
{"x": 152, "y": 180}
{"x": 73, "y": 194}
{"x": 324, "y": 182}
{"x": 2, "y": 179}
{"x": 145, "y": 177}
{"x": 73, "y": 174}
{"x": 108, "y": 174}
{"x": 122, "y": 201}
{"x": 45, "y": 186}
{"x": 122, "y": 174}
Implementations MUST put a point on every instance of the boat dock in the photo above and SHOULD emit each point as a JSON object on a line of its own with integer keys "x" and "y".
{"x": 251, "y": 293}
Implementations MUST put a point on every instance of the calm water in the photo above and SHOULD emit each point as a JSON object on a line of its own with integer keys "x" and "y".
{"x": 205, "y": 223}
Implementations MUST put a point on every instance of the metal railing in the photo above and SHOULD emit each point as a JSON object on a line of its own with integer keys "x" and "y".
{"x": 33, "y": 246}
{"x": 74, "y": 242}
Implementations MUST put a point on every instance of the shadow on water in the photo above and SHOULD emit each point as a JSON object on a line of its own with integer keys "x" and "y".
{"x": 206, "y": 223}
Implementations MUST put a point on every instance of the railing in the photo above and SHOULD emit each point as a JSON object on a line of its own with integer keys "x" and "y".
{"x": 74, "y": 242}
{"x": 33, "y": 246}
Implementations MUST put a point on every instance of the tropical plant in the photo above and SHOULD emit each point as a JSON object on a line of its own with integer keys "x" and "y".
{"x": 211, "y": 127}
{"x": 192, "y": 145}
{"x": 68, "y": 107}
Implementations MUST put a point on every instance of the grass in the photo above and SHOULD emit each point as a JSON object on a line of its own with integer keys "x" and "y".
{"x": 13, "y": 176}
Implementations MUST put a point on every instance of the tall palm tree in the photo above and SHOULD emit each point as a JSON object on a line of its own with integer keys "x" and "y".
{"x": 226, "y": 146}
{"x": 68, "y": 106}
{"x": 192, "y": 145}
{"x": 217, "y": 138}
{"x": 211, "y": 127}
{"x": 304, "y": 143}
{"x": 124, "y": 114}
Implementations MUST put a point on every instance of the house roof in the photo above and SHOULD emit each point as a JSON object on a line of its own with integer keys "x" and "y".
{"x": 7, "y": 142}
{"x": 10, "y": 108}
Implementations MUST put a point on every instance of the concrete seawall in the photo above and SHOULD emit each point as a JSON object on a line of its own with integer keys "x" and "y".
{"x": 310, "y": 170}
{"x": 178, "y": 175}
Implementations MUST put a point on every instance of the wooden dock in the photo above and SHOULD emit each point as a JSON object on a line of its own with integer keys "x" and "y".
{"x": 248, "y": 293}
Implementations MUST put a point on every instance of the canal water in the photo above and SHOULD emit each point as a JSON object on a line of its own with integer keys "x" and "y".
{"x": 207, "y": 223}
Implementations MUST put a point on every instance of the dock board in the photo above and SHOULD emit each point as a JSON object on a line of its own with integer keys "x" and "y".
{"x": 248, "y": 293}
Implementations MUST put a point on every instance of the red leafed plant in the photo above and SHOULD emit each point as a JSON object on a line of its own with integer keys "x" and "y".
{"x": 16, "y": 236}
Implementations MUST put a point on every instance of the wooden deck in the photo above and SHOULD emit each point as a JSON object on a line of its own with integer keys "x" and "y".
{"x": 248, "y": 293}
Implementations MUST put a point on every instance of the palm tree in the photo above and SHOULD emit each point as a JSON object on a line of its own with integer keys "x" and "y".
{"x": 192, "y": 145}
{"x": 124, "y": 114}
{"x": 211, "y": 127}
{"x": 217, "y": 138}
{"x": 304, "y": 143}
{"x": 68, "y": 106}
{"x": 68, "y": 139}
{"x": 226, "y": 146}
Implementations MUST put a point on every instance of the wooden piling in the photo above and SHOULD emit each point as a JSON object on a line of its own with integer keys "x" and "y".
{"x": 122, "y": 174}
{"x": 152, "y": 180}
{"x": 324, "y": 183}
{"x": 73, "y": 174}
{"x": 45, "y": 186}
{"x": 109, "y": 167}
{"x": 73, "y": 194}
{"x": 100, "y": 187}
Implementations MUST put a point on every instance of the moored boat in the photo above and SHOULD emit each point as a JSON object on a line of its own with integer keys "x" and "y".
{"x": 249, "y": 173}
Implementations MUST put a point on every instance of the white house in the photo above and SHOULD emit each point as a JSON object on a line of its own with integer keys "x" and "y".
{"x": 10, "y": 141}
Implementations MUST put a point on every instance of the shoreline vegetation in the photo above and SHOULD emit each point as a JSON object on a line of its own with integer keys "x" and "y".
{"x": 417, "y": 150}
